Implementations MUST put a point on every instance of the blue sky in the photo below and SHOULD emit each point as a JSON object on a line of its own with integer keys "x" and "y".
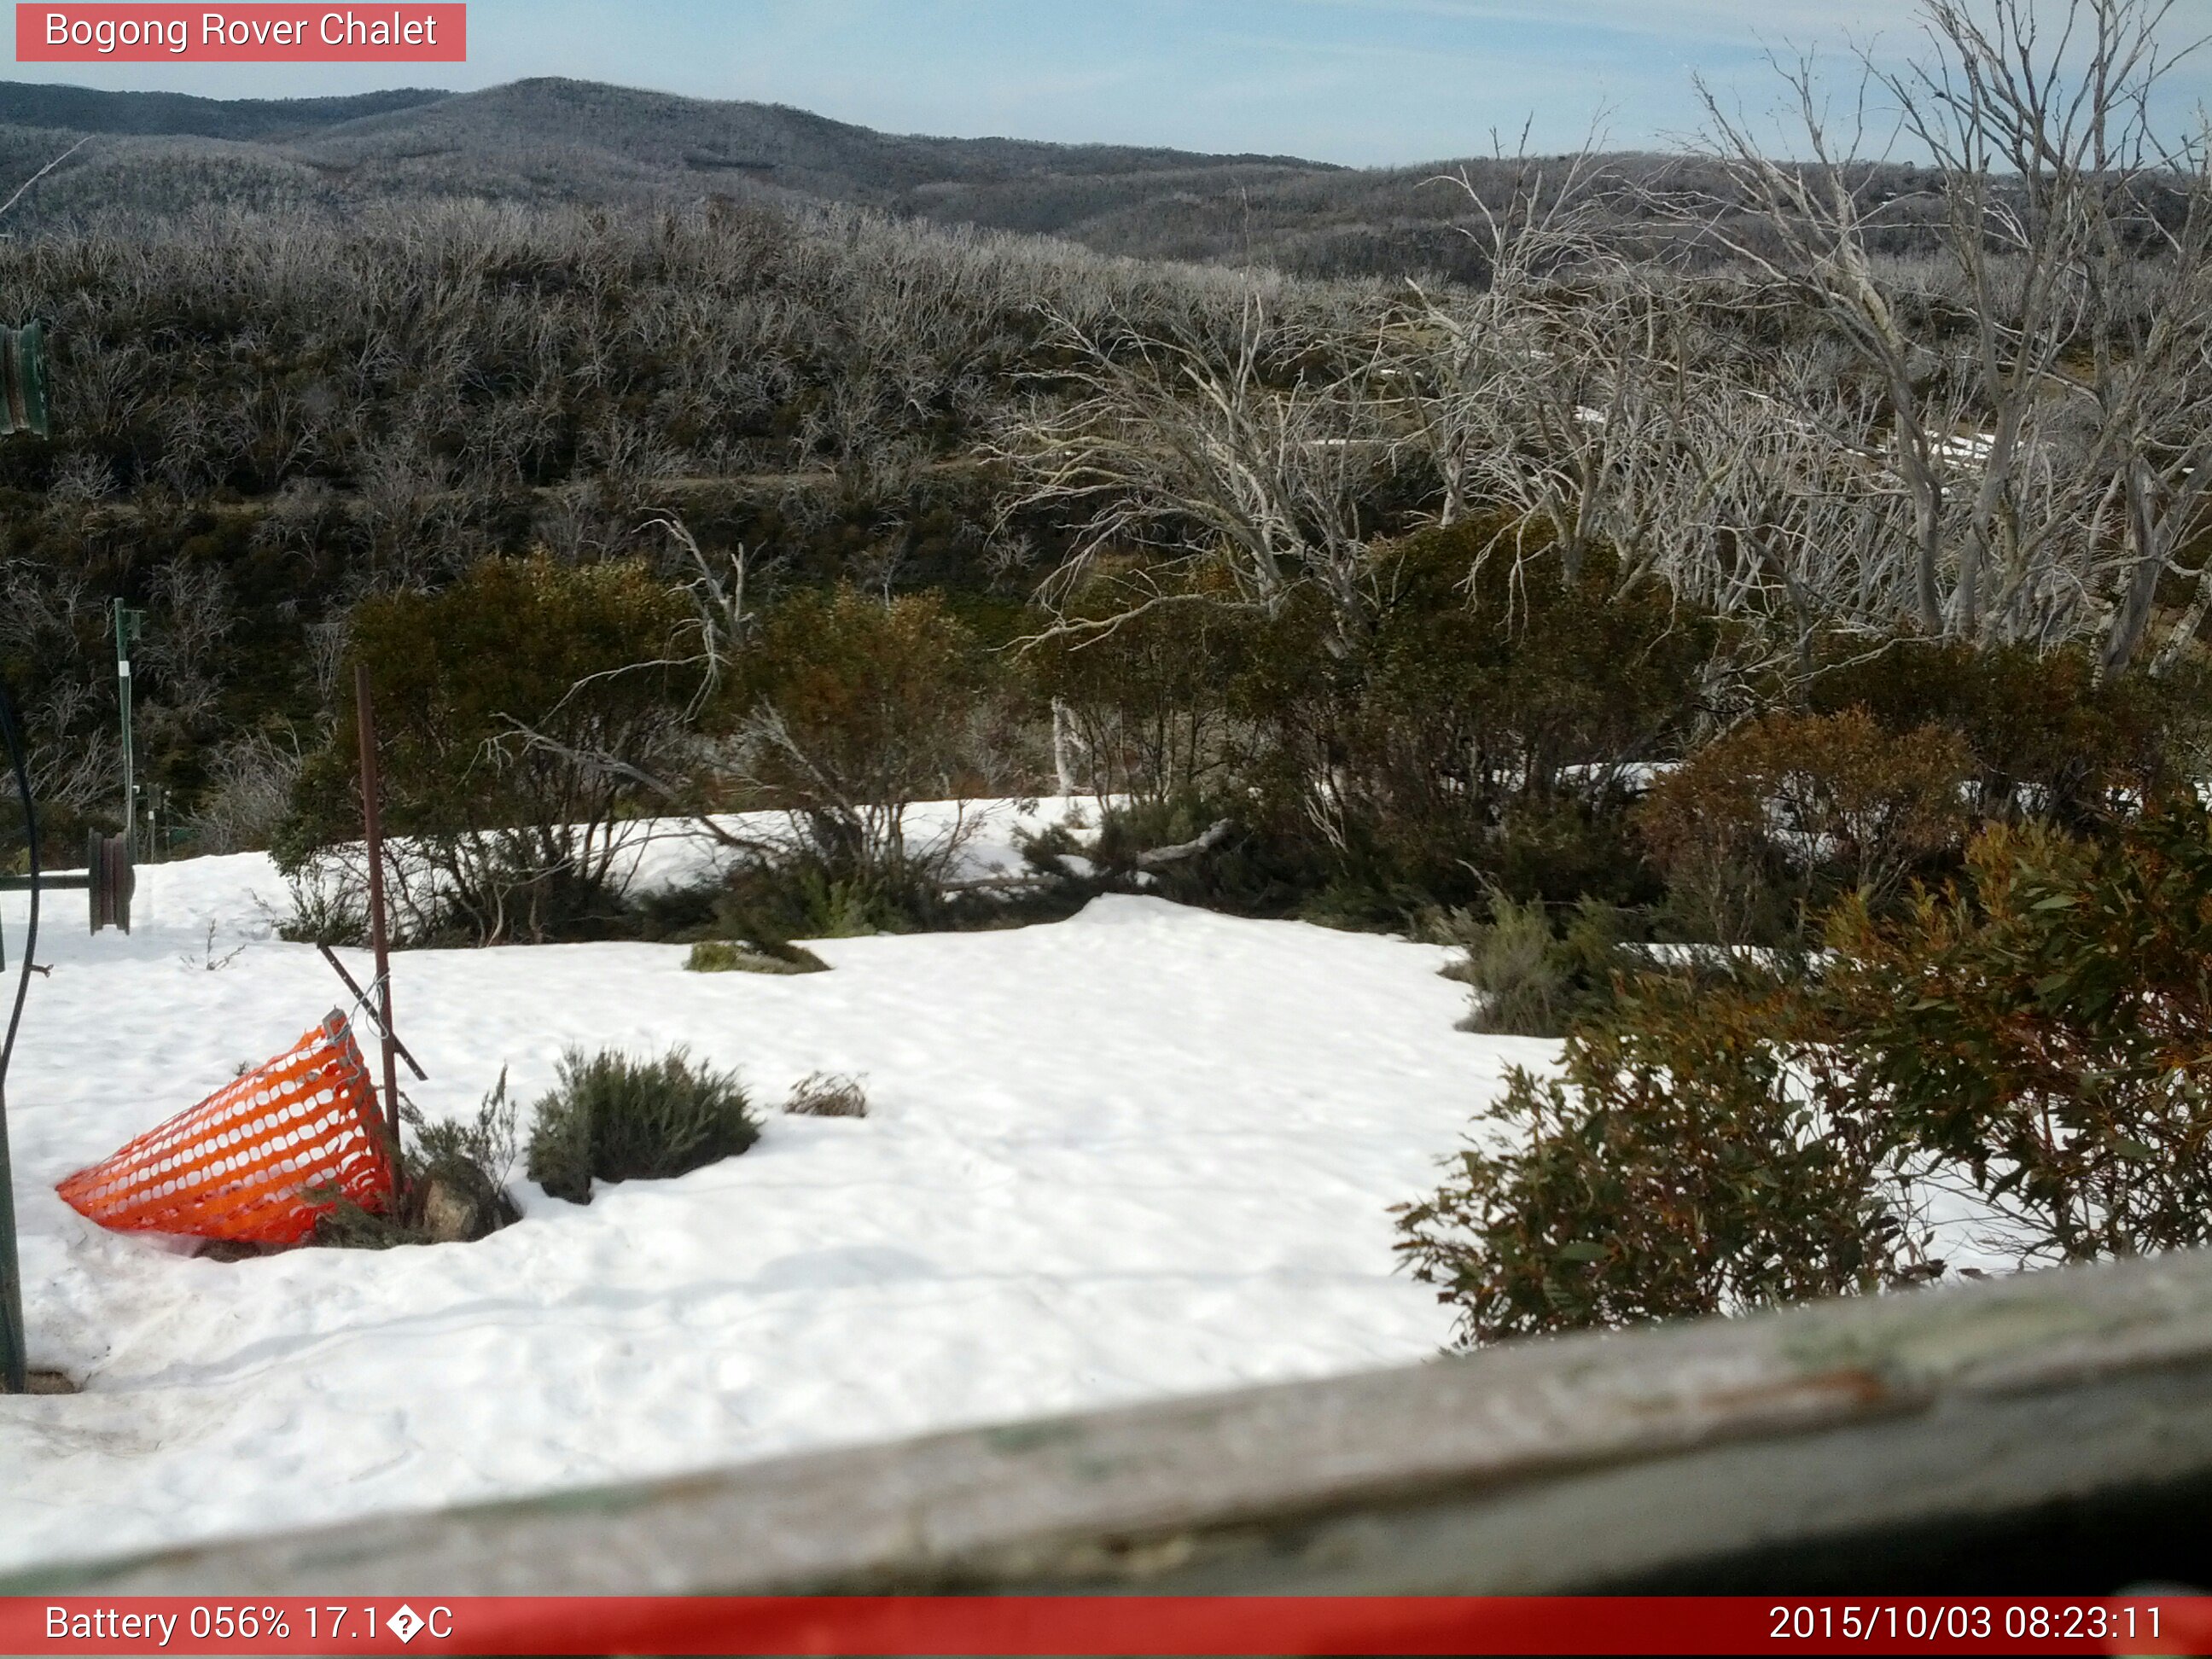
{"x": 1362, "y": 82}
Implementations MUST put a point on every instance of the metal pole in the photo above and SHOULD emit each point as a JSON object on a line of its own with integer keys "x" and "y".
{"x": 15, "y": 1354}
{"x": 361, "y": 999}
{"x": 379, "y": 942}
{"x": 127, "y": 624}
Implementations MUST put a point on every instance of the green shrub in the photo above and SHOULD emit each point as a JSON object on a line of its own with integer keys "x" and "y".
{"x": 456, "y": 1183}
{"x": 1475, "y": 732}
{"x": 2048, "y": 735}
{"x": 1255, "y": 870}
{"x": 1705, "y": 1152}
{"x": 1528, "y": 979}
{"x": 725, "y": 956}
{"x": 2044, "y": 1026}
{"x": 498, "y": 836}
{"x": 2035, "y": 1032}
{"x": 1141, "y": 710}
{"x": 802, "y": 896}
{"x": 612, "y": 1117}
{"x": 1510, "y": 964}
{"x": 1792, "y": 809}
{"x": 856, "y": 708}
{"x": 765, "y": 902}
{"x": 1566, "y": 847}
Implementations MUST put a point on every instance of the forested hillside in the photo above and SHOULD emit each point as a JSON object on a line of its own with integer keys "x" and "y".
{"x": 260, "y": 420}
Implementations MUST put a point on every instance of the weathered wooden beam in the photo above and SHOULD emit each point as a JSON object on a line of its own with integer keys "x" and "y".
{"x": 1636, "y": 1458}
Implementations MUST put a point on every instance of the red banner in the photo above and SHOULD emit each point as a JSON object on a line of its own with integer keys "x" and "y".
{"x": 1030, "y": 1625}
{"x": 76, "y": 33}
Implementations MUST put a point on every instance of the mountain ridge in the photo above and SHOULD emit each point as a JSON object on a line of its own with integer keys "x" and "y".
{"x": 559, "y": 140}
{"x": 178, "y": 114}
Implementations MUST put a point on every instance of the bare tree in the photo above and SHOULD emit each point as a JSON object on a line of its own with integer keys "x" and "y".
{"x": 250, "y": 792}
{"x": 1233, "y": 469}
{"x": 1547, "y": 394}
{"x": 2044, "y": 401}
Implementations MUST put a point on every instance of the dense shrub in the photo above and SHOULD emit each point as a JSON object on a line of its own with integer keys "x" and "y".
{"x": 514, "y": 711}
{"x": 1705, "y": 1152}
{"x": 1258, "y": 869}
{"x": 1481, "y": 728}
{"x": 1511, "y": 964}
{"x": 2045, "y": 1027}
{"x": 612, "y": 1117}
{"x": 2046, "y": 735}
{"x": 859, "y": 706}
{"x": 1460, "y": 719}
{"x": 1790, "y": 808}
{"x": 2035, "y": 1034}
{"x": 1142, "y": 709}
{"x": 803, "y": 896}
{"x": 1528, "y": 978}
{"x": 1463, "y": 721}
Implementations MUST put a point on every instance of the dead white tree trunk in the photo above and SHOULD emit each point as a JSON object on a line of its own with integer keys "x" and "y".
{"x": 2045, "y": 399}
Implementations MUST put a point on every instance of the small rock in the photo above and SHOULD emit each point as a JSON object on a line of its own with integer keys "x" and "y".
{"x": 231, "y": 1250}
{"x": 451, "y": 1216}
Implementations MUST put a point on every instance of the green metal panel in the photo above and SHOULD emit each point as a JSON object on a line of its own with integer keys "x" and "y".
{"x": 23, "y": 379}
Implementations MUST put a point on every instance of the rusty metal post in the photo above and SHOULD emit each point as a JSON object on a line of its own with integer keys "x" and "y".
{"x": 379, "y": 940}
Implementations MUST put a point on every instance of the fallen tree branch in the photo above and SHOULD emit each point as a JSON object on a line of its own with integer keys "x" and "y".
{"x": 1212, "y": 838}
{"x": 987, "y": 884}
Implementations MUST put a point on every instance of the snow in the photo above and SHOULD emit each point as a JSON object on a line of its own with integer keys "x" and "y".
{"x": 1142, "y": 1152}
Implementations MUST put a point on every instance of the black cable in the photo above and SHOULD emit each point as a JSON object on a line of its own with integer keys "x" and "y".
{"x": 19, "y": 763}
{"x": 12, "y": 1356}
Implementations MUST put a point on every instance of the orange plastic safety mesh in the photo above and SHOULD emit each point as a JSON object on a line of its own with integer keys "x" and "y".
{"x": 257, "y": 1161}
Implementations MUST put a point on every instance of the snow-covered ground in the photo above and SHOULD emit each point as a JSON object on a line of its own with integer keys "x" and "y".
{"x": 1143, "y": 1151}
